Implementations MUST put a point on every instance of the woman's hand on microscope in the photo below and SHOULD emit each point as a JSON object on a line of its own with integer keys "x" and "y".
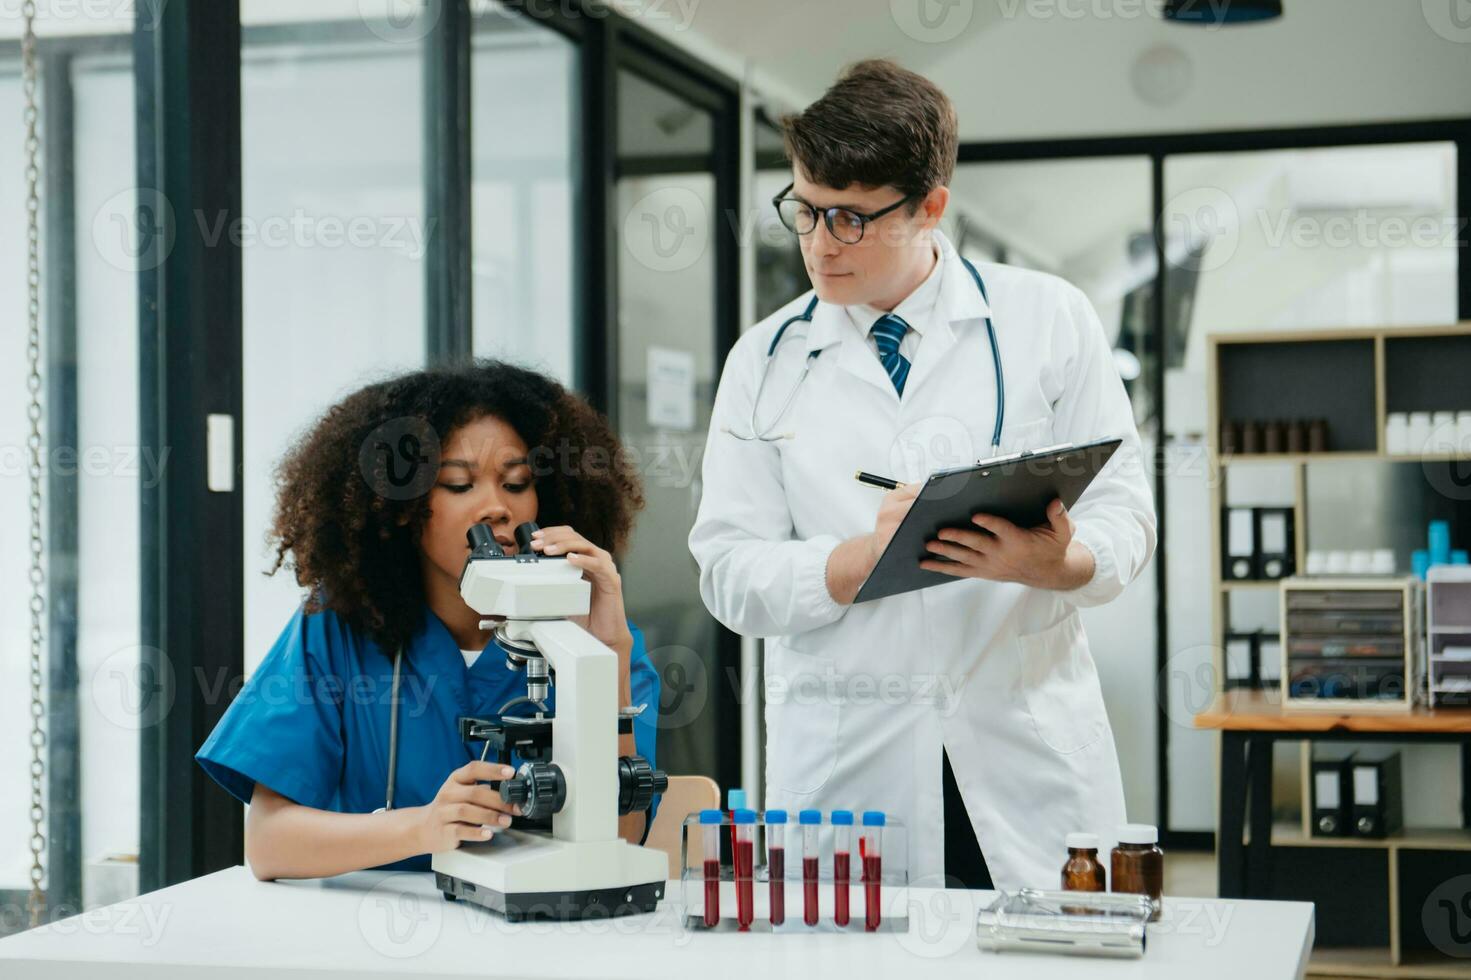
{"x": 464, "y": 808}
{"x": 606, "y": 618}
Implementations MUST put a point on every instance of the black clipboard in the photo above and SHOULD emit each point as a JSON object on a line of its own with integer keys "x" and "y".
{"x": 1018, "y": 487}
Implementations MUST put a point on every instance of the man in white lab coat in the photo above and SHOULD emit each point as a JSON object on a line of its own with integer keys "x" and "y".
{"x": 970, "y": 710}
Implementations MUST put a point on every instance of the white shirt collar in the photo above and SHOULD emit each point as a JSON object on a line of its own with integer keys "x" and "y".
{"x": 958, "y": 300}
{"x": 917, "y": 309}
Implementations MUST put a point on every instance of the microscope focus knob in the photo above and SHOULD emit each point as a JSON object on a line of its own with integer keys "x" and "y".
{"x": 539, "y": 788}
{"x": 637, "y": 783}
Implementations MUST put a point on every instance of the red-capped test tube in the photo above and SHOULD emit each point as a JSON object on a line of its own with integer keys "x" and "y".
{"x": 871, "y": 851}
{"x": 776, "y": 863}
{"x": 710, "y": 823}
{"x": 842, "y": 863}
{"x": 745, "y": 867}
{"x": 811, "y": 823}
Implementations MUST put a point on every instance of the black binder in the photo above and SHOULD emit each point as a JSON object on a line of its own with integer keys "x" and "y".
{"x": 1332, "y": 797}
{"x": 1276, "y": 549}
{"x": 1378, "y": 798}
{"x": 1238, "y": 543}
{"x": 1018, "y": 487}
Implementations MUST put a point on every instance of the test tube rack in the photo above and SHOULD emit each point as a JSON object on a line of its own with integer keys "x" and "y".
{"x": 893, "y": 900}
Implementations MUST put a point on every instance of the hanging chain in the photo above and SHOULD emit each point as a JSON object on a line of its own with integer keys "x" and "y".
{"x": 37, "y": 900}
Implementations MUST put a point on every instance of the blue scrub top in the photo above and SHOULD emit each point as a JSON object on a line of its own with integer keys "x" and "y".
{"x": 312, "y": 721}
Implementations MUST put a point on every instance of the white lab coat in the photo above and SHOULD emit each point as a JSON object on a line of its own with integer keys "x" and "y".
{"x": 860, "y": 698}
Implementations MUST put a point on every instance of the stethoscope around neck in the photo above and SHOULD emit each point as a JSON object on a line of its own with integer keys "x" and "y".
{"x": 768, "y": 433}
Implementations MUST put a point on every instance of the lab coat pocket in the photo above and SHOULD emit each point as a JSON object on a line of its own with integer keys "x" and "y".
{"x": 1061, "y": 686}
{"x": 1033, "y": 434}
{"x": 801, "y": 719}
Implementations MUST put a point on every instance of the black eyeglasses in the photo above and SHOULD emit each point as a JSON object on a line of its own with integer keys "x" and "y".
{"x": 844, "y": 224}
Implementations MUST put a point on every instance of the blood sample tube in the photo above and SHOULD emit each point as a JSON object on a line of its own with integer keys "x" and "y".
{"x": 745, "y": 867}
{"x": 710, "y": 821}
{"x": 842, "y": 863}
{"x": 776, "y": 863}
{"x": 870, "y": 849}
{"x": 734, "y": 800}
{"x": 811, "y": 822}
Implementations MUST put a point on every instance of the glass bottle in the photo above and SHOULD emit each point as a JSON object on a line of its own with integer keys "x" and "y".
{"x": 1139, "y": 865}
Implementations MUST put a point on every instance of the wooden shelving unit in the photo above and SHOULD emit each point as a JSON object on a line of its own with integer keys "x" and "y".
{"x": 1379, "y": 363}
{"x": 1369, "y": 373}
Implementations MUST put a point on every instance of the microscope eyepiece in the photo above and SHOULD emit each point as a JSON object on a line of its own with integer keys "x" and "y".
{"x": 482, "y": 541}
{"x": 523, "y": 537}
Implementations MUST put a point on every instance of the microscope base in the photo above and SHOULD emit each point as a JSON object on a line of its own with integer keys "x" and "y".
{"x": 596, "y": 903}
{"x": 529, "y": 875}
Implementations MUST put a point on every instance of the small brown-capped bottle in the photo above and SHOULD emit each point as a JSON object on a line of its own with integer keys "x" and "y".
{"x": 1083, "y": 872}
{"x": 1139, "y": 865}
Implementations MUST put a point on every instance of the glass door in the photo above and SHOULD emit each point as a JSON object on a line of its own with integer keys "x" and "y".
{"x": 669, "y": 357}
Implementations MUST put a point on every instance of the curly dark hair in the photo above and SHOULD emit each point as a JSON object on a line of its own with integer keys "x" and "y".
{"x": 351, "y": 521}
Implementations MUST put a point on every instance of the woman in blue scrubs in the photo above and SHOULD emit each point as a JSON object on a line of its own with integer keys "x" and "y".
{"x": 372, "y": 509}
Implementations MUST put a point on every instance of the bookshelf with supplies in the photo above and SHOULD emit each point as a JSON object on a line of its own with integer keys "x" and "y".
{"x": 1297, "y": 399}
{"x": 1329, "y": 648}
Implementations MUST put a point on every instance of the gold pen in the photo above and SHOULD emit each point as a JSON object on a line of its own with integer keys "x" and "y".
{"x": 882, "y": 482}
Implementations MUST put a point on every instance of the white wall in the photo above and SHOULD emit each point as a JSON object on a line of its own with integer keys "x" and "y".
{"x": 1022, "y": 69}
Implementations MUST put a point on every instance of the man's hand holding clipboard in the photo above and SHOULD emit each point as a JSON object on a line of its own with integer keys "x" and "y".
{"x": 1003, "y": 520}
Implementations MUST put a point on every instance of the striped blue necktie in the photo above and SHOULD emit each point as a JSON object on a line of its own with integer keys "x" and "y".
{"x": 888, "y": 332}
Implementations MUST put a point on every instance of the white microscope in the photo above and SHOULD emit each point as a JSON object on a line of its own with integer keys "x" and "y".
{"x": 562, "y": 858}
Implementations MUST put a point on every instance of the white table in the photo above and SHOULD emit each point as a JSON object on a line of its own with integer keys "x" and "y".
{"x": 381, "y": 924}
